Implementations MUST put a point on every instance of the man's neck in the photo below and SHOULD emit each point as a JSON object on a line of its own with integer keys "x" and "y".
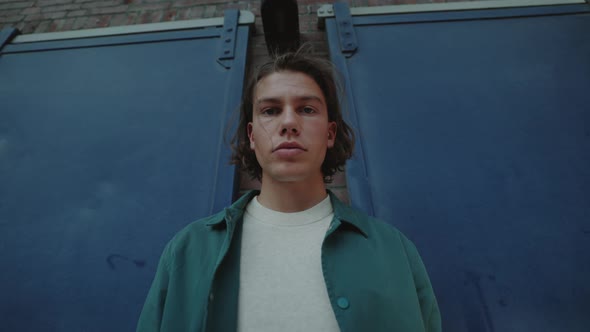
{"x": 291, "y": 196}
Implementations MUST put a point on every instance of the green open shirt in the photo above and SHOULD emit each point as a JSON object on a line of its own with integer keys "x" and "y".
{"x": 374, "y": 275}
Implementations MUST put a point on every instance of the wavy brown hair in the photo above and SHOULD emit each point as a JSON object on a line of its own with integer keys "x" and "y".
{"x": 322, "y": 72}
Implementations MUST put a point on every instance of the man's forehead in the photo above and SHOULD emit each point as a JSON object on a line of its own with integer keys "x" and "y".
{"x": 276, "y": 100}
{"x": 295, "y": 85}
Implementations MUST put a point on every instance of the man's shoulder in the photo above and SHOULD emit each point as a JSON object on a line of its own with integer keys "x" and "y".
{"x": 369, "y": 225}
{"x": 389, "y": 239}
{"x": 375, "y": 229}
{"x": 203, "y": 226}
{"x": 379, "y": 228}
{"x": 208, "y": 232}
{"x": 193, "y": 241}
{"x": 195, "y": 230}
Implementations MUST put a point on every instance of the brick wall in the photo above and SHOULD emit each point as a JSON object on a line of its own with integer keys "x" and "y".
{"x": 64, "y": 15}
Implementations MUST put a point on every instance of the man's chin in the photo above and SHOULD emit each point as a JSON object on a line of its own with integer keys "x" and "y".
{"x": 292, "y": 173}
{"x": 290, "y": 176}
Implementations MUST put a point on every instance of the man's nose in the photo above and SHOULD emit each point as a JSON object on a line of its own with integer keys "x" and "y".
{"x": 289, "y": 122}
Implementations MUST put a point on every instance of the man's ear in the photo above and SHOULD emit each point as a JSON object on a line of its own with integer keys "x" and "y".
{"x": 331, "y": 133}
{"x": 250, "y": 136}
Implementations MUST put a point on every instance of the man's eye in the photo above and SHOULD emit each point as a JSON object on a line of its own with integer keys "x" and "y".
{"x": 270, "y": 111}
{"x": 308, "y": 110}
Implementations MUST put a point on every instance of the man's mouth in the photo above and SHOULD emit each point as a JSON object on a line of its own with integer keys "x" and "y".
{"x": 289, "y": 146}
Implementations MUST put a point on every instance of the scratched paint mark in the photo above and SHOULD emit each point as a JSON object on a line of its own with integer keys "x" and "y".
{"x": 111, "y": 261}
{"x": 475, "y": 280}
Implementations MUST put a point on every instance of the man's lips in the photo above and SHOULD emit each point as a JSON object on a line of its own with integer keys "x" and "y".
{"x": 289, "y": 146}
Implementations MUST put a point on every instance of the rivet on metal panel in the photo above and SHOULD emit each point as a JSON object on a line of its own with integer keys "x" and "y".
{"x": 228, "y": 38}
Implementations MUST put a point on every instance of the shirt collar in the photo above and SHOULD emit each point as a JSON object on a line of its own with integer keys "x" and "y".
{"x": 234, "y": 211}
{"x": 342, "y": 212}
{"x": 349, "y": 215}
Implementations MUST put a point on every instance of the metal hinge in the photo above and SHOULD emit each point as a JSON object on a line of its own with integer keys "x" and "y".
{"x": 228, "y": 38}
{"x": 346, "y": 35}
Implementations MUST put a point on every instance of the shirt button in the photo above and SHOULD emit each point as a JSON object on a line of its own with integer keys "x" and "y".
{"x": 343, "y": 303}
{"x": 211, "y": 297}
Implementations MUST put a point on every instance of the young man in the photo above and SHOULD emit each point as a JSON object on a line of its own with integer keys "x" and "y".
{"x": 291, "y": 257}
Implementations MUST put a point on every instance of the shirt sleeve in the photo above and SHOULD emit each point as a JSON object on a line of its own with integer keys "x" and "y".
{"x": 428, "y": 304}
{"x": 150, "y": 319}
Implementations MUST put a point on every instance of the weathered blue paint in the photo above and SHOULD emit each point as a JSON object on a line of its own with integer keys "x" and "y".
{"x": 108, "y": 147}
{"x": 474, "y": 131}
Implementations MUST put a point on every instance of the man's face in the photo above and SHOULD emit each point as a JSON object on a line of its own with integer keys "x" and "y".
{"x": 290, "y": 132}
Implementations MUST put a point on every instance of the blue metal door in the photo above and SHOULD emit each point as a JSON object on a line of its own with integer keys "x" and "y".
{"x": 108, "y": 146}
{"x": 474, "y": 140}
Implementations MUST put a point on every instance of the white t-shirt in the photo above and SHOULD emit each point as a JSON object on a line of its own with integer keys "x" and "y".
{"x": 282, "y": 285}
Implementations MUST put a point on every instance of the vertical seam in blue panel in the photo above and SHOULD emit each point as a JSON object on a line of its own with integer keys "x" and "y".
{"x": 233, "y": 94}
{"x": 359, "y": 191}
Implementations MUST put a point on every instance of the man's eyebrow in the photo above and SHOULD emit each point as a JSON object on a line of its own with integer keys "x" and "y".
{"x": 272, "y": 100}
{"x": 268, "y": 100}
{"x": 312, "y": 97}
